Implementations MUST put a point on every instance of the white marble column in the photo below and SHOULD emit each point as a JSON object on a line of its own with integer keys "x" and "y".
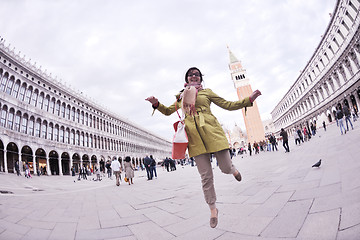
{"x": 60, "y": 167}
{"x": 48, "y": 167}
{"x": 5, "y": 162}
{"x": 34, "y": 164}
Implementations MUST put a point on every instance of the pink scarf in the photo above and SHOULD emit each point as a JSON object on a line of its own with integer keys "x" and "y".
{"x": 189, "y": 97}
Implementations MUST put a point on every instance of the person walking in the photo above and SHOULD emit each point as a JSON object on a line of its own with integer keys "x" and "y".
{"x": 108, "y": 168}
{"x": 147, "y": 163}
{"x": 17, "y": 168}
{"x": 324, "y": 126}
{"x": 300, "y": 134}
{"x": 250, "y": 148}
{"x": 153, "y": 167}
{"x": 83, "y": 171}
{"x": 296, "y": 137}
{"x": 273, "y": 142}
{"x": 204, "y": 132}
{"x": 284, "y": 135}
{"x": 339, "y": 117}
{"x": 347, "y": 117}
{"x": 167, "y": 163}
{"x": 97, "y": 172}
{"x": 27, "y": 171}
{"x": 115, "y": 166}
{"x": 129, "y": 170}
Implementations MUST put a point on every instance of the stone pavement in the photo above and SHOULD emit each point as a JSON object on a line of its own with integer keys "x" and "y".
{"x": 280, "y": 197}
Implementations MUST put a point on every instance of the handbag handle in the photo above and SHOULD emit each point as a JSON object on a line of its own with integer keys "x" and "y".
{"x": 178, "y": 112}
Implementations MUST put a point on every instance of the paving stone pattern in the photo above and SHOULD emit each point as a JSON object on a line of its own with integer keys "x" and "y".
{"x": 281, "y": 197}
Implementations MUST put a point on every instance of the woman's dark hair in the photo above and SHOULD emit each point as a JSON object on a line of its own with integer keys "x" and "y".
{"x": 127, "y": 159}
{"x": 190, "y": 69}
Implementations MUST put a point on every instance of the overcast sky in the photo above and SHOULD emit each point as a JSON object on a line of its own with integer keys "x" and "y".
{"x": 119, "y": 52}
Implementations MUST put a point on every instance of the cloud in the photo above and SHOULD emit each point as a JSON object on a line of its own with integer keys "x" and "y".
{"x": 120, "y": 52}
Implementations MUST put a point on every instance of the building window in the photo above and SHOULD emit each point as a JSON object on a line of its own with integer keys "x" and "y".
{"x": 77, "y": 116}
{"x": 3, "y": 83}
{"x": 73, "y": 114}
{"x": 31, "y": 127}
{"x": 82, "y": 118}
{"x": 9, "y": 86}
{"x": 52, "y": 106}
{"x": 86, "y": 140}
{"x": 17, "y": 122}
{"x": 37, "y": 128}
{"x": 67, "y": 112}
{"x": 22, "y": 92}
{"x": 40, "y": 100}
{"x": 57, "y": 108}
{"x": 34, "y": 98}
{"x": 82, "y": 139}
{"x": 24, "y": 125}
{"x": 56, "y": 133}
{"x": 63, "y": 110}
{"x": 61, "y": 134}
{"x": 10, "y": 121}
{"x": 28, "y": 95}
{"x": 72, "y": 138}
{"x": 46, "y": 103}
{"x": 3, "y": 117}
{"x": 86, "y": 119}
{"x": 77, "y": 139}
{"x": 43, "y": 130}
{"x": 67, "y": 136}
{"x": 50, "y": 131}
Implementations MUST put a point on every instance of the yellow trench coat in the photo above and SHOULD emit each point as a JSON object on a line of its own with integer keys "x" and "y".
{"x": 204, "y": 132}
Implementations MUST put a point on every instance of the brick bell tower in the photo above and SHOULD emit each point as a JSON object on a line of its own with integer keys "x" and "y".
{"x": 254, "y": 127}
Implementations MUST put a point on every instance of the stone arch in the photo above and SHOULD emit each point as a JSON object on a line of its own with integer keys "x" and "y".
{"x": 94, "y": 161}
{"x": 86, "y": 161}
{"x": 54, "y": 163}
{"x": 12, "y": 155}
{"x": 40, "y": 159}
{"x": 65, "y": 163}
{"x": 76, "y": 162}
{"x": 353, "y": 103}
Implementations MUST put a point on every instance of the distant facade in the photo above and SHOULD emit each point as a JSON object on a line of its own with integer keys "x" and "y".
{"x": 236, "y": 137}
{"x": 269, "y": 127}
{"x": 331, "y": 77}
{"x": 252, "y": 119}
{"x": 54, "y": 128}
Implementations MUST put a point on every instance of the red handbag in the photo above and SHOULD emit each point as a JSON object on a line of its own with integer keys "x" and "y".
{"x": 180, "y": 140}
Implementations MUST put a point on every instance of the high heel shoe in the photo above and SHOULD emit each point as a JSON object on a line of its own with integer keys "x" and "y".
{"x": 214, "y": 220}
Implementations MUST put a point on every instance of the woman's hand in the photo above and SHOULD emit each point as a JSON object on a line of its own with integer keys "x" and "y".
{"x": 154, "y": 101}
{"x": 254, "y": 95}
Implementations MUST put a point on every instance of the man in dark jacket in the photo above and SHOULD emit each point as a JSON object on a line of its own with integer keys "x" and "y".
{"x": 147, "y": 163}
{"x": 153, "y": 167}
{"x": 347, "y": 117}
{"x": 284, "y": 135}
{"x": 339, "y": 117}
{"x": 273, "y": 142}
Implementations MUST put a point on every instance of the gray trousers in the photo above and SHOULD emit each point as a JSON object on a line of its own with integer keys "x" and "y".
{"x": 207, "y": 178}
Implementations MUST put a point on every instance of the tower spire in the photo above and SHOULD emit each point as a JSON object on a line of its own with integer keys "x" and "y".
{"x": 232, "y": 57}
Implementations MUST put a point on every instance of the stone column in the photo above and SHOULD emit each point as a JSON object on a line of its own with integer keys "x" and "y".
{"x": 34, "y": 164}
{"x": 336, "y": 80}
{"x": 60, "y": 168}
{"x": 5, "y": 161}
{"x": 48, "y": 167}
